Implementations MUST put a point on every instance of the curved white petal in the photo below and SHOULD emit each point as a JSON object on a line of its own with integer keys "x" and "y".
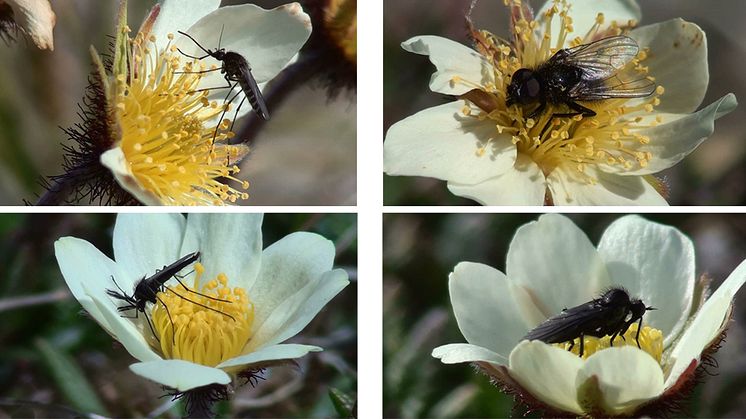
{"x": 452, "y": 60}
{"x": 609, "y": 189}
{"x": 294, "y": 313}
{"x": 627, "y": 377}
{"x": 440, "y": 142}
{"x": 180, "y": 375}
{"x": 82, "y": 264}
{"x": 456, "y": 353}
{"x": 145, "y": 242}
{"x": 678, "y": 61}
{"x": 705, "y": 326}
{"x": 288, "y": 266}
{"x": 267, "y": 39}
{"x": 124, "y": 330}
{"x": 173, "y": 16}
{"x": 548, "y": 373}
{"x": 523, "y": 184}
{"x": 229, "y": 244}
{"x": 270, "y": 353}
{"x": 115, "y": 161}
{"x": 584, "y": 12}
{"x": 554, "y": 260}
{"x": 653, "y": 262}
{"x": 486, "y": 311}
{"x": 677, "y": 136}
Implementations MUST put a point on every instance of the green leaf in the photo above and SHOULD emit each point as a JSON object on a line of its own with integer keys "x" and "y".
{"x": 70, "y": 379}
{"x": 343, "y": 403}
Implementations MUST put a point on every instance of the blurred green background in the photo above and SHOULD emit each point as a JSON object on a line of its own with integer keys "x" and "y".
{"x": 57, "y": 362}
{"x": 714, "y": 174}
{"x": 40, "y": 91}
{"x": 420, "y": 250}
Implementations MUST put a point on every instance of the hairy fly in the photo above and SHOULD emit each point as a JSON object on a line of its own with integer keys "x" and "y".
{"x": 609, "y": 315}
{"x": 585, "y": 73}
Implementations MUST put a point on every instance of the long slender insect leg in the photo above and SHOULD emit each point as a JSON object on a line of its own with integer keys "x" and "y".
{"x": 637, "y": 335}
{"x": 201, "y": 305}
{"x": 582, "y": 340}
{"x": 173, "y": 328}
{"x": 236, "y": 114}
{"x": 150, "y": 324}
{"x": 572, "y": 345}
{"x": 225, "y": 109}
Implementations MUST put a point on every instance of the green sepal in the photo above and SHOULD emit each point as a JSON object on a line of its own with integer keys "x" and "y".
{"x": 121, "y": 44}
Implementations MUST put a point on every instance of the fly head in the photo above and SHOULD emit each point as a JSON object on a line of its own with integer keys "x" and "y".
{"x": 525, "y": 87}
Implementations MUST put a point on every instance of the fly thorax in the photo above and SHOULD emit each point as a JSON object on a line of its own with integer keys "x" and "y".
{"x": 207, "y": 325}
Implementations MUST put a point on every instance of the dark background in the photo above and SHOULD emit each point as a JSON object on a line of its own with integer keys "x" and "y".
{"x": 54, "y": 361}
{"x": 712, "y": 175}
{"x": 304, "y": 156}
{"x": 420, "y": 250}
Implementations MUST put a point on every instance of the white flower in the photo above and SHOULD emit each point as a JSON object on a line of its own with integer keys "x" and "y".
{"x": 274, "y": 293}
{"x": 495, "y": 155}
{"x": 168, "y": 152}
{"x": 552, "y": 265}
{"x": 36, "y": 18}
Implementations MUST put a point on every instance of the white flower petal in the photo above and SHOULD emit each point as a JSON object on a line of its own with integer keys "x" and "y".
{"x": 452, "y": 60}
{"x": 288, "y": 265}
{"x": 145, "y": 242}
{"x": 267, "y": 39}
{"x": 610, "y": 189}
{"x": 486, "y": 310}
{"x": 523, "y": 184}
{"x": 554, "y": 260}
{"x": 229, "y": 243}
{"x": 270, "y": 353}
{"x": 173, "y": 16}
{"x": 677, "y": 136}
{"x": 124, "y": 330}
{"x": 584, "y": 12}
{"x": 627, "y": 377}
{"x": 37, "y": 19}
{"x": 82, "y": 263}
{"x": 705, "y": 326}
{"x": 548, "y": 373}
{"x": 678, "y": 61}
{"x": 115, "y": 161}
{"x": 295, "y": 312}
{"x": 653, "y": 262}
{"x": 455, "y": 353}
{"x": 180, "y": 375}
{"x": 439, "y": 142}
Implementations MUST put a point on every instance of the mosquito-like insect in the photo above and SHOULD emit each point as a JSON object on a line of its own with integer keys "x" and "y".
{"x": 237, "y": 72}
{"x": 611, "y": 314}
{"x": 147, "y": 289}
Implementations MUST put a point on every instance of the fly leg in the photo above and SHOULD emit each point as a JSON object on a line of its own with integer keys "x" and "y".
{"x": 637, "y": 335}
{"x": 582, "y": 339}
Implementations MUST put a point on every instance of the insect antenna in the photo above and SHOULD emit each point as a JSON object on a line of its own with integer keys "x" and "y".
{"x": 206, "y": 51}
{"x": 201, "y": 305}
{"x": 180, "y": 277}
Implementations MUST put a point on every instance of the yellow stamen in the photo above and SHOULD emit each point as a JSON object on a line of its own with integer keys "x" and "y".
{"x": 206, "y": 336}
{"x": 651, "y": 341}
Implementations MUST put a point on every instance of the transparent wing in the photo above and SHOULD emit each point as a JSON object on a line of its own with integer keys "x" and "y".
{"x": 600, "y": 59}
{"x": 617, "y": 86}
{"x": 568, "y": 324}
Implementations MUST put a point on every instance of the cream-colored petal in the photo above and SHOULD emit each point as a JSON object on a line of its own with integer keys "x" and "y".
{"x": 453, "y": 61}
{"x": 456, "y": 353}
{"x": 609, "y": 189}
{"x": 180, "y": 375}
{"x": 548, "y": 373}
{"x": 115, "y": 161}
{"x": 229, "y": 244}
{"x": 626, "y": 376}
{"x": 556, "y": 263}
{"x": 653, "y": 262}
{"x": 270, "y": 353}
{"x": 705, "y": 326}
{"x": 524, "y": 184}
{"x": 37, "y": 19}
{"x": 440, "y": 142}
{"x": 678, "y": 61}
{"x": 173, "y": 16}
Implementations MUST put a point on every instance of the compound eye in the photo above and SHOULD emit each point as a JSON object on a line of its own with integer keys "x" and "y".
{"x": 532, "y": 87}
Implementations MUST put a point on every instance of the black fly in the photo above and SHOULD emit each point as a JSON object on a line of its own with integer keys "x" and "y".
{"x": 611, "y": 315}
{"x": 588, "y": 72}
{"x": 237, "y": 72}
{"x": 147, "y": 289}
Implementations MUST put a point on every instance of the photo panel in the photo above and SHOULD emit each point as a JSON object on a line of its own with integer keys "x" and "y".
{"x": 483, "y": 315}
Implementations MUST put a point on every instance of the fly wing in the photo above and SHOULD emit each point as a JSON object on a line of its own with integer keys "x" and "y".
{"x": 252, "y": 92}
{"x": 617, "y": 86}
{"x": 599, "y": 60}
{"x": 569, "y": 324}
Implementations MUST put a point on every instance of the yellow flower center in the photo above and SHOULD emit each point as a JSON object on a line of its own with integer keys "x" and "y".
{"x": 651, "y": 341}
{"x": 609, "y": 138}
{"x": 166, "y": 130}
{"x": 211, "y": 328}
